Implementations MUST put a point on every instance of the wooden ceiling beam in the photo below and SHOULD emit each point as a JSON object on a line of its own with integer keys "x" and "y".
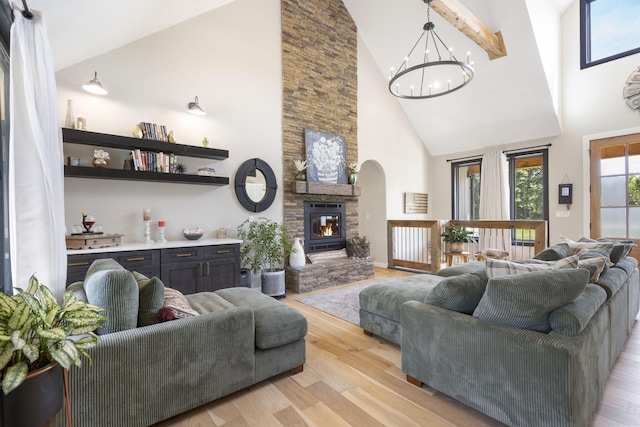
{"x": 465, "y": 21}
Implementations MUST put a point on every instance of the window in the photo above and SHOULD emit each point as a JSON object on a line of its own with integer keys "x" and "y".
{"x": 528, "y": 185}
{"x": 465, "y": 177}
{"x": 608, "y": 30}
{"x": 615, "y": 187}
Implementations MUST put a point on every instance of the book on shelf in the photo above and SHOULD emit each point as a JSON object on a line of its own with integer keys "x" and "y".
{"x": 154, "y": 131}
{"x": 150, "y": 161}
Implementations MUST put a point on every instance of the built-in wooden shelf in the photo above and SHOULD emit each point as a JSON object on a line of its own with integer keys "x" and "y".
{"x": 129, "y": 175}
{"x": 306, "y": 187}
{"x": 84, "y": 137}
{"x": 73, "y": 136}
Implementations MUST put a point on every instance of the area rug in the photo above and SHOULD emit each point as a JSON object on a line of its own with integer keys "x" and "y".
{"x": 343, "y": 303}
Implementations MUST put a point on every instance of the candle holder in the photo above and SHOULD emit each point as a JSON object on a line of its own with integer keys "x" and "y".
{"x": 147, "y": 232}
{"x": 161, "y": 238}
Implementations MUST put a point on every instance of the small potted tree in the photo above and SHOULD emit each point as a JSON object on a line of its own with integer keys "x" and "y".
{"x": 39, "y": 337}
{"x": 456, "y": 237}
{"x": 264, "y": 248}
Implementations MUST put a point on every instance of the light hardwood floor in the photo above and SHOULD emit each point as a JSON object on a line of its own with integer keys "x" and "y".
{"x": 351, "y": 379}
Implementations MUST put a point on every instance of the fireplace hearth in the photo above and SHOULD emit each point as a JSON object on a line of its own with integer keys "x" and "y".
{"x": 324, "y": 226}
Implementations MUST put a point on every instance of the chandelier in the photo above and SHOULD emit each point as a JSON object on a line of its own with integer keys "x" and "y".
{"x": 424, "y": 73}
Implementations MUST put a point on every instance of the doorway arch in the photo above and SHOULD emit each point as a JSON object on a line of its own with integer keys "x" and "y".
{"x": 372, "y": 209}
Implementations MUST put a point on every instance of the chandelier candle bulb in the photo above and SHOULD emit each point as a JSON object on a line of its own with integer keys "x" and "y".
{"x": 426, "y": 55}
{"x": 468, "y": 57}
{"x": 450, "y": 54}
{"x": 448, "y": 84}
{"x": 411, "y": 90}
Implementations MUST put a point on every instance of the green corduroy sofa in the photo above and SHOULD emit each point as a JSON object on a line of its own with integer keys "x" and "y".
{"x": 142, "y": 375}
{"x": 466, "y": 335}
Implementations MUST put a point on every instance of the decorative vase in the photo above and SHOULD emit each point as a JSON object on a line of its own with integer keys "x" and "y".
{"x": 69, "y": 121}
{"x": 297, "y": 257}
{"x": 35, "y": 401}
{"x": 99, "y": 163}
{"x": 328, "y": 176}
{"x": 353, "y": 178}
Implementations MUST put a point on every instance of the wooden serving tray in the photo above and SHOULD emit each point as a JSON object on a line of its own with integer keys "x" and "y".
{"x": 93, "y": 241}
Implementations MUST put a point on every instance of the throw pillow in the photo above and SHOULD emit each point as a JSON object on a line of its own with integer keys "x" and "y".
{"x": 621, "y": 248}
{"x": 175, "y": 306}
{"x": 151, "y": 298}
{"x": 595, "y": 267}
{"x": 554, "y": 253}
{"x": 572, "y": 318}
{"x": 114, "y": 289}
{"x": 459, "y": 293}
{"x": 497, "y": 268}
{"x": 578, "y": 248}
{"x": 526, "y": 300}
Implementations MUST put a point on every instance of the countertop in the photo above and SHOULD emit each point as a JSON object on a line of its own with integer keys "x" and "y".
{"x": 139, "y": 246}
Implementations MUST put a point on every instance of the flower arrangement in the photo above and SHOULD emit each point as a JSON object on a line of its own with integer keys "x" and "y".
{"x": 300, "y": 165}
{"x": 353, "y": 167}
{"x": 100, "y": 154}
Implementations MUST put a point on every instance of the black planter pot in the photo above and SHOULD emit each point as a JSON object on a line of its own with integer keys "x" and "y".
{"x": 35, "y": 401}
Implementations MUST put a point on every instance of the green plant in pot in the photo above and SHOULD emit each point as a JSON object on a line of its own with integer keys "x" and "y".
{"x": 264, "y": 248}
{"x": 456, "y": 237}
{"x": 39, "y": 337}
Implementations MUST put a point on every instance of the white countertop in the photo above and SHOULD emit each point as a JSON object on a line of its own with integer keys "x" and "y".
{"x": 139, "y": 246}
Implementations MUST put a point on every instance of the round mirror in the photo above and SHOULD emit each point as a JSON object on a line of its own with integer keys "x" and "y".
{"x": 255, "y": 185}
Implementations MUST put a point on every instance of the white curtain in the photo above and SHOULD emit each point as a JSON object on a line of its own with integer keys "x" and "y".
{"x": 494, "y": 199}
{"x": 36, "y": 175}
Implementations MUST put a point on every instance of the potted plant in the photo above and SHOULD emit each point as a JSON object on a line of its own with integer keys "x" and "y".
{"x": 264, "y": 248}
{"x": 456, "y": 237}
{"x": 39, "y": 337}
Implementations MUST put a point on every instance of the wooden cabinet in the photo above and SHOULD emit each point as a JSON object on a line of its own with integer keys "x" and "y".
{"x": 73, "y": 136}
{"x": 188, "y": 269}
{"x": 201, "y": 269}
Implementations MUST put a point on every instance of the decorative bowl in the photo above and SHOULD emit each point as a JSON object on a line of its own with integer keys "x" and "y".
{"x": 193, "y": 233}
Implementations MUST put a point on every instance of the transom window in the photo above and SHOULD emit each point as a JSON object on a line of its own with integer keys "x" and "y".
{"x": 608, "y": 30}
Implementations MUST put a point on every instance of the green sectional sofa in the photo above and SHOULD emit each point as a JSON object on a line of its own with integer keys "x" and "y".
{"x": 527, "y": 348}
{"x": 228, "y": 340}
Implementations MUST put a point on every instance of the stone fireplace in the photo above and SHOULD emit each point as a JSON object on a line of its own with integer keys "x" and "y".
{"x": 320, "y": 92}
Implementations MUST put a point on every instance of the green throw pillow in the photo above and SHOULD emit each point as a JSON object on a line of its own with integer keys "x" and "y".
{"x": 459, "y": 293}
{"x": 554, "y": 253}
{"x": 114, "y": 289}
{"x": 151, "y": 297}
{"x": 526, "y": 300}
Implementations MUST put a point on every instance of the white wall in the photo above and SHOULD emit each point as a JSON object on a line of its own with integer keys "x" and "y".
{"x": 231, "y": 59}
{"x": 386, "y": 136}
{"x": 591, "y": 104}
{"x": 387, "y": 139}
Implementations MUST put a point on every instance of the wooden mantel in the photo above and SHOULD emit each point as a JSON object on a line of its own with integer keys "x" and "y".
{"x": 306, "y": 187}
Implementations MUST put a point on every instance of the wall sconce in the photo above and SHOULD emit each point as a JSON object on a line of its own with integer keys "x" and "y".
{"x": 195, "y": 108}
{"x": 94, "y": 86}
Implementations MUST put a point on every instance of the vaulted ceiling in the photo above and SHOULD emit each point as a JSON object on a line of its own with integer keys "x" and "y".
{"x": 511, "y": 99}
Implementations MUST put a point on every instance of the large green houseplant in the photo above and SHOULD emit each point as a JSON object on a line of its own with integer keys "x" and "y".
{"x": 456, "y": 237}
{"x": 35, "y": 330}
{"x": 264, "y": 248}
